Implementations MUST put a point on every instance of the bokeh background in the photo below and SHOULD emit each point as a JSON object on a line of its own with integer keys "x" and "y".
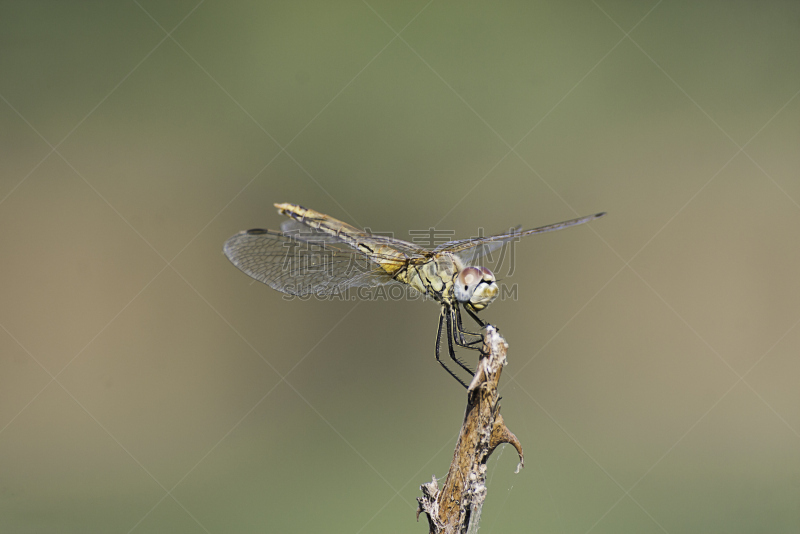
{"x": 146, "y": 385}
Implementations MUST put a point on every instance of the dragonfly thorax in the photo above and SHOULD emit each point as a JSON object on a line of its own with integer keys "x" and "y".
{"x": 445, "y": 277}
{"x": 476, "y": 286}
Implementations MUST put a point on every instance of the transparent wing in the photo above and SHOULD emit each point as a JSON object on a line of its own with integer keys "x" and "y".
{"x": 470, "y": 255}
{"x": 469, "y": 250}
{"x": 299, "y": 267}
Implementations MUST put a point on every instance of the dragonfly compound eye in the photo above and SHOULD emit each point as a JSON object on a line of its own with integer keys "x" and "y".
{"x": 486, "y": 290}
{"x": 476, "y": 285}
{"x": 466, "y": 282}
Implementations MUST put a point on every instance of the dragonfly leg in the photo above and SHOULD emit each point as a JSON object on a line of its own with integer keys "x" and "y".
{"x": 478, "y": 320}
{"x": 438, "y": 345}
{"x": 451, "y": 337}
{"x": 462, "y": 332}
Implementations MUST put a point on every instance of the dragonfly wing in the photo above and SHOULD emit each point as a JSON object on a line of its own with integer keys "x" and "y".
{"x": 465, "y": 248}
{"x": 300, "y": 267}
{"x": 470, "y": 255}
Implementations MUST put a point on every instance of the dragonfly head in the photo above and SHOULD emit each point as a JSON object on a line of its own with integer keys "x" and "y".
{"x": 476, "y": 286}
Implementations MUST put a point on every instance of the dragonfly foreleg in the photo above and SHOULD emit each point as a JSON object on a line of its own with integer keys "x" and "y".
{"x": 451, "y": 337}
{"x": 478, "y": 320}
{"x": 462, "y": 332}
{"x": 439, "y": 343}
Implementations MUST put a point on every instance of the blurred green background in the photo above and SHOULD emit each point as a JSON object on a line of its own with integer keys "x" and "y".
{"x": 146, "y": 385}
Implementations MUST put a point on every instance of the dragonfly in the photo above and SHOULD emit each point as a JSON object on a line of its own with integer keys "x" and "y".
{"x": 315, "y": 254}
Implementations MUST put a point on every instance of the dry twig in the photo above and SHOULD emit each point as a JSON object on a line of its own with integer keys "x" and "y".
{"x": 456, "y": 508}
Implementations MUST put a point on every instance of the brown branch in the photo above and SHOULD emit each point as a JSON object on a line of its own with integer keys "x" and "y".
{"x": 456, "y": 508}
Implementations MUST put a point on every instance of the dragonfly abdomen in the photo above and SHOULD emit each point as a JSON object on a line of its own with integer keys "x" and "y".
{"x": 321, "y": 222}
